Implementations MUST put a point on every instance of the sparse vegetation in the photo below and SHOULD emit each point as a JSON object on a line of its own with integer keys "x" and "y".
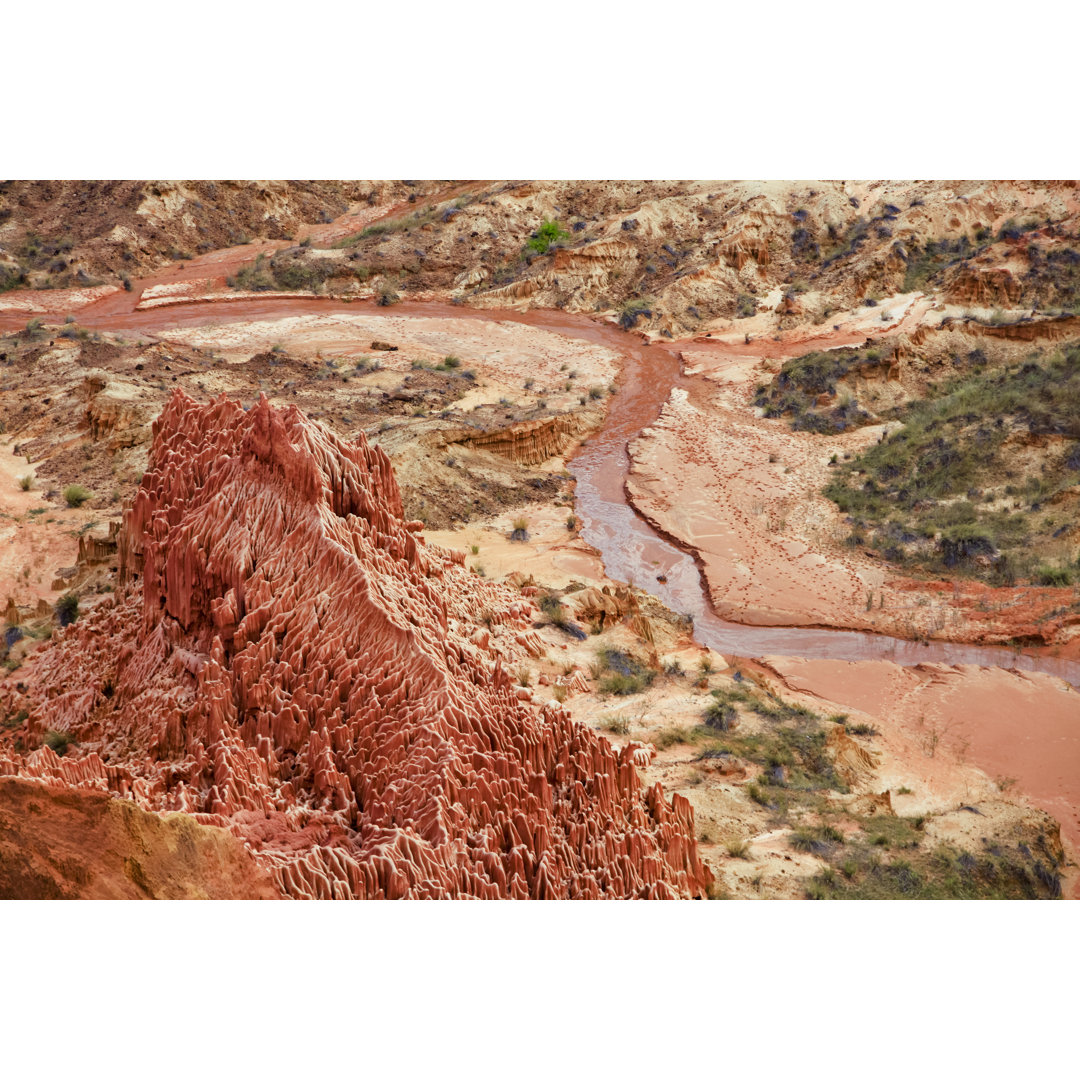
{"x": 615, "y": 725}
{"x": 622, "y": 674}
{"x": 801, "y": 383}
{"x": 632, "y": 311}
{"x": 887, "y": 858}
{"x": 745, "y": 306}
{"x": 75, "y": 495}
{"x": 920, "y": 495}
{"x": 386, "y": 294}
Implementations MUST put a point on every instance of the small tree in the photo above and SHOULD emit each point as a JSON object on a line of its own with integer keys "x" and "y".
{"x": 549, "y": 233}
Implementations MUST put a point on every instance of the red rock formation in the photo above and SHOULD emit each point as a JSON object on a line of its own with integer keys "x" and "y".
{"x": 97, "y": 549}
{"x": 288, "y": 659}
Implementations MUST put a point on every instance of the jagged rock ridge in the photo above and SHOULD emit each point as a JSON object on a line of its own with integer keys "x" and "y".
{"x": 287, "y": 658}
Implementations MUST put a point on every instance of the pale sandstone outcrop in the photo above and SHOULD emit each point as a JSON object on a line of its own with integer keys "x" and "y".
{"x": 531, "y": 442}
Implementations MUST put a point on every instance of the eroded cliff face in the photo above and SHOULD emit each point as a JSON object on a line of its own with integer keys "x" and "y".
{"x": 531, "y": 442}
{"x": 289, "y": 660}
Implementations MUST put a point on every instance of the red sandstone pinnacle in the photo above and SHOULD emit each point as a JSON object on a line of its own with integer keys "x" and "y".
{"x": 287, "y": 659}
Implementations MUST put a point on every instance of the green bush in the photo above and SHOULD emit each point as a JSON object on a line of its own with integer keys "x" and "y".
{"x": 622, "y": 673}
{"x": 58, "y": 741}
{"x": 548, "y": 234}
{"x": 1054, "y": 576}
{"x": 75, "y": 495}
{"x": 745, "y": 306}
{"x": 67, "y": 609}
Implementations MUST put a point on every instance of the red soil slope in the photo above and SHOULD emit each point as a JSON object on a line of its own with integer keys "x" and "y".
{"x": 289, "y": 660}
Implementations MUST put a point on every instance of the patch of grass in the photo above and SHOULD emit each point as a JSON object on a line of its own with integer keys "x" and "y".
{"x": 745, "y": 306}
{"x": 791, "y": 751}
{"x": 1054, "y": 576}
{"x": 26, "y": 482}
{"x": 1052, "y": 280}
{"x": 671, "y": 736}
{"x": 615, "y": 725}
{"x": 12, "y": 277}
{"x": 720, "y": 716}
{"x": 387, "y": 295}
{"x": 15, "y": 719}
{"x": 862, "y": 729}
{"x": 738, "y": 849}
{"x": 416, "y": 220}
{"x": 926, "y": 260}
{"x": 819, "y": 840}
{"x": 75, "y": 495}
{"x": 292, "y": 271}
{"x": 633, "y": 310}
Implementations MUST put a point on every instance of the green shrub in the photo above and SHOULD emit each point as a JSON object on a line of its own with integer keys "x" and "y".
{"x": 745, "y": 306}
{"x": 624, "y": 685}
{"x": 815, "y": 841}
{"x": 633, "y": 310}
{"x": 75, "y": 495}
{"x": 1054, "y": 576}
{"x": 548, "y": 234}
{"x": 670, "y": 736}
{"x": 58, "y": 741}
{"x": 67, "y": 609}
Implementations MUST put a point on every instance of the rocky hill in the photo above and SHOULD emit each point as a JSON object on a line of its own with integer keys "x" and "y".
{"x": 287, "y": 658}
